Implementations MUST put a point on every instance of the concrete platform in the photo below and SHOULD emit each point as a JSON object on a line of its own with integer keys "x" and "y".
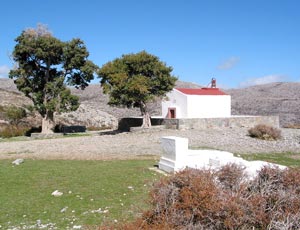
{"x": 176, "y": 156}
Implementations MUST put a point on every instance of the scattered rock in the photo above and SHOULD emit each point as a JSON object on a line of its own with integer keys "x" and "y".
{"x": 147, "y": 145}
{"x": 278, "y": 98}
{"x": 64, "y": 209}
{"x": 18, "y": 161}
{"x": 77, "y": 227}
{"x": 100, "y": 211}
{"x": 56, "y": 193}
{"x": 88, "y": 116}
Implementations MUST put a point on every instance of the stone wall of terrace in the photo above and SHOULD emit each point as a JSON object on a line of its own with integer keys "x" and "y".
{"x": 230, "y": 122}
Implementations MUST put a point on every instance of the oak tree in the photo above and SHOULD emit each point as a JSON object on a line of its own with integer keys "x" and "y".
{"x": 45, "y": 66}
{"x": 135, "y": 79}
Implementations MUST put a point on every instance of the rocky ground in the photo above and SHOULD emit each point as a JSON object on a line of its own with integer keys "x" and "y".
{"x": 280, "y": 98}
{"x": 271, "y": 99}
{"x": 139, "y": 145}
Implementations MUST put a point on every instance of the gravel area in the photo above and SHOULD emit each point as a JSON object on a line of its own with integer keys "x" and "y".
{"x": 140, "y": 145}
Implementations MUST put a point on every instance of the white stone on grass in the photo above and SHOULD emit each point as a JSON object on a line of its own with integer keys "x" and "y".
{"x": 18, "y": 161}
{"x": 99, "y": 211}
{"x": 64, "y": 209}
{"x": 56, "y": 193}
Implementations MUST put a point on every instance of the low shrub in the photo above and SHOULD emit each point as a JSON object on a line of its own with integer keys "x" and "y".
{"x": 3, "y": 112}
{"x": 265, "y": 132}
{"x": 292, "y": 126}
{"x": 204, "y": 199}
{"x": 29, "y": 108}
{"x": 14, "y": 114}
{"x": 94, "y": 128}
{"x": 13, "y": 131}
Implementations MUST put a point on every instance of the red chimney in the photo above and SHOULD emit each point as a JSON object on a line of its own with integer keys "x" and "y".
{"x": 213, "y": 83}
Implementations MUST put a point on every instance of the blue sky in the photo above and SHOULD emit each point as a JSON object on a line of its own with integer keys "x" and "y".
{"x": 239, "y": 42}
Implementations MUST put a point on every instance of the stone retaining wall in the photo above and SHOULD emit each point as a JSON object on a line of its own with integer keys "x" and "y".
{"x": 45, "y": 135}
{"x": 126, "y": 124}
{"x": 230, "y": 122}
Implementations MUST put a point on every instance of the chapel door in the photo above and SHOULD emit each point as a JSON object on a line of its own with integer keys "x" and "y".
{"x": 172, "y": 113}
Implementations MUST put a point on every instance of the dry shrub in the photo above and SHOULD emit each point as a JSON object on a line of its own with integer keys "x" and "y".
{"x": 265, "y": 132}
{"x": 231, "y": 176}
{"x": 95, "y": 128}
{"x": 13, "y": 131}
{"x": 224, "y": 199}
{"x": 292, "y": 126}
{"x": 15, "y": 114}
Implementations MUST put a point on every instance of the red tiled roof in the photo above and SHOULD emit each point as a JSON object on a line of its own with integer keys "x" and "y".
{"x": 201, "y": 91}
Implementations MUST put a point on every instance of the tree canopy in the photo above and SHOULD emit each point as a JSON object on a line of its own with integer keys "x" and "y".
{"x": 45, "y": 65}
{"x": 135, "y": 79}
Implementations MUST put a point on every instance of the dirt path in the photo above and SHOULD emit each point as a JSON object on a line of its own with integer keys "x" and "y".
{"x": 140, "y": 145}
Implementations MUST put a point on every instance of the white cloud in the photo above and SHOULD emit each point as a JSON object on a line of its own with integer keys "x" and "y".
{"x": 263, "y": 80}
{"x": 229, "y": 63}
{"x": 4, "y": 71}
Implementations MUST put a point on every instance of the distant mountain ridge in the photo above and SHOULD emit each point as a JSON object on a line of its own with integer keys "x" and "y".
{"x": 282, "y": 98}
{"x": 279, "y": 98}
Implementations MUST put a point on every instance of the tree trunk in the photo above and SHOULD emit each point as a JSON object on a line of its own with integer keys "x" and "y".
{"x": 48, "y": 123}
{"x": 48, "y": 120}
{"x": 146, "y": 116}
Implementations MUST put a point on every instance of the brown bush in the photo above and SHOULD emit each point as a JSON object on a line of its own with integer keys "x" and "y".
{"x": 94, "y": 128}
{"x": 231, "y": 176}
{"x": 292, "y": 126}
{"x": 265, "y": 132}
{"x": 13, "y": 131}
{"x": 224, "y": 199}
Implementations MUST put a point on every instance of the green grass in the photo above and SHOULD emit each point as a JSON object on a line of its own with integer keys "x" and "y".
{"x": 77, "y": 135}
{"x": 287, "y": 159}
{"x": 25, "y": 138}
{"x": 12, "y": 139}
{"x": 25, "y": 192}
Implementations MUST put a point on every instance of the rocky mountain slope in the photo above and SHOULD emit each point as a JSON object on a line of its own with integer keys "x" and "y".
{"x": 281, "y": 99}
{"x": 93, "y": 97}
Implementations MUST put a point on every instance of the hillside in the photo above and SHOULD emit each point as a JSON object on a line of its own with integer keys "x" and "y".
{"x": 281, "y": 99}
{"x": 94, "y": 97}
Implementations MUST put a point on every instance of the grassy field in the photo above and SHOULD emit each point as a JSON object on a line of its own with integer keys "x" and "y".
{"x": 93, "y": 192}
{"x": 25, "y": 138}
{"x": 287, "y": 159}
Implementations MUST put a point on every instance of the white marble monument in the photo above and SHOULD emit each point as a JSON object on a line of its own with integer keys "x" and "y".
{"x": 176, "y": 156}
